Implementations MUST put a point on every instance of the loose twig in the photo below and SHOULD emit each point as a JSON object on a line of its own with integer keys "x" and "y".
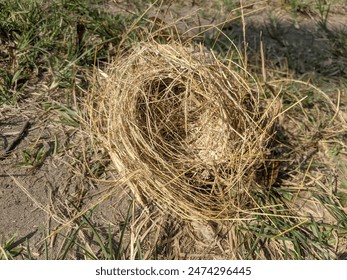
{"x": 15, "y": 141}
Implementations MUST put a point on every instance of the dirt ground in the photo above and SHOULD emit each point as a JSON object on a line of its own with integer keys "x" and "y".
{"x": 45, "y": 168}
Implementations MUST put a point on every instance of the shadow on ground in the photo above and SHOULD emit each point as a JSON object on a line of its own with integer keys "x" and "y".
{"x": 303, "y": 46}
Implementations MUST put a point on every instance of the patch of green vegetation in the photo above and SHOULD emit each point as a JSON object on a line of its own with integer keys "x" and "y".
{"x": 10, "y": 249}
{"x": 49, "y": 40}
{"x": 323, "y": 8}
{"x": 12, "y": 83}
{"x": 107, "y": 247}
{"x": 67, "y": 115}
{"x": 33, "y": 157}
{"x": 279, "y": 233}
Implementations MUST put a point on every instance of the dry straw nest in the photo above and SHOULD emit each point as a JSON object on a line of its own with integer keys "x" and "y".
{"x": 187, "y": 129}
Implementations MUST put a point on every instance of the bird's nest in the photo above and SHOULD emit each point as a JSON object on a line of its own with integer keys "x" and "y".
{"x": 188, "y": 130}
